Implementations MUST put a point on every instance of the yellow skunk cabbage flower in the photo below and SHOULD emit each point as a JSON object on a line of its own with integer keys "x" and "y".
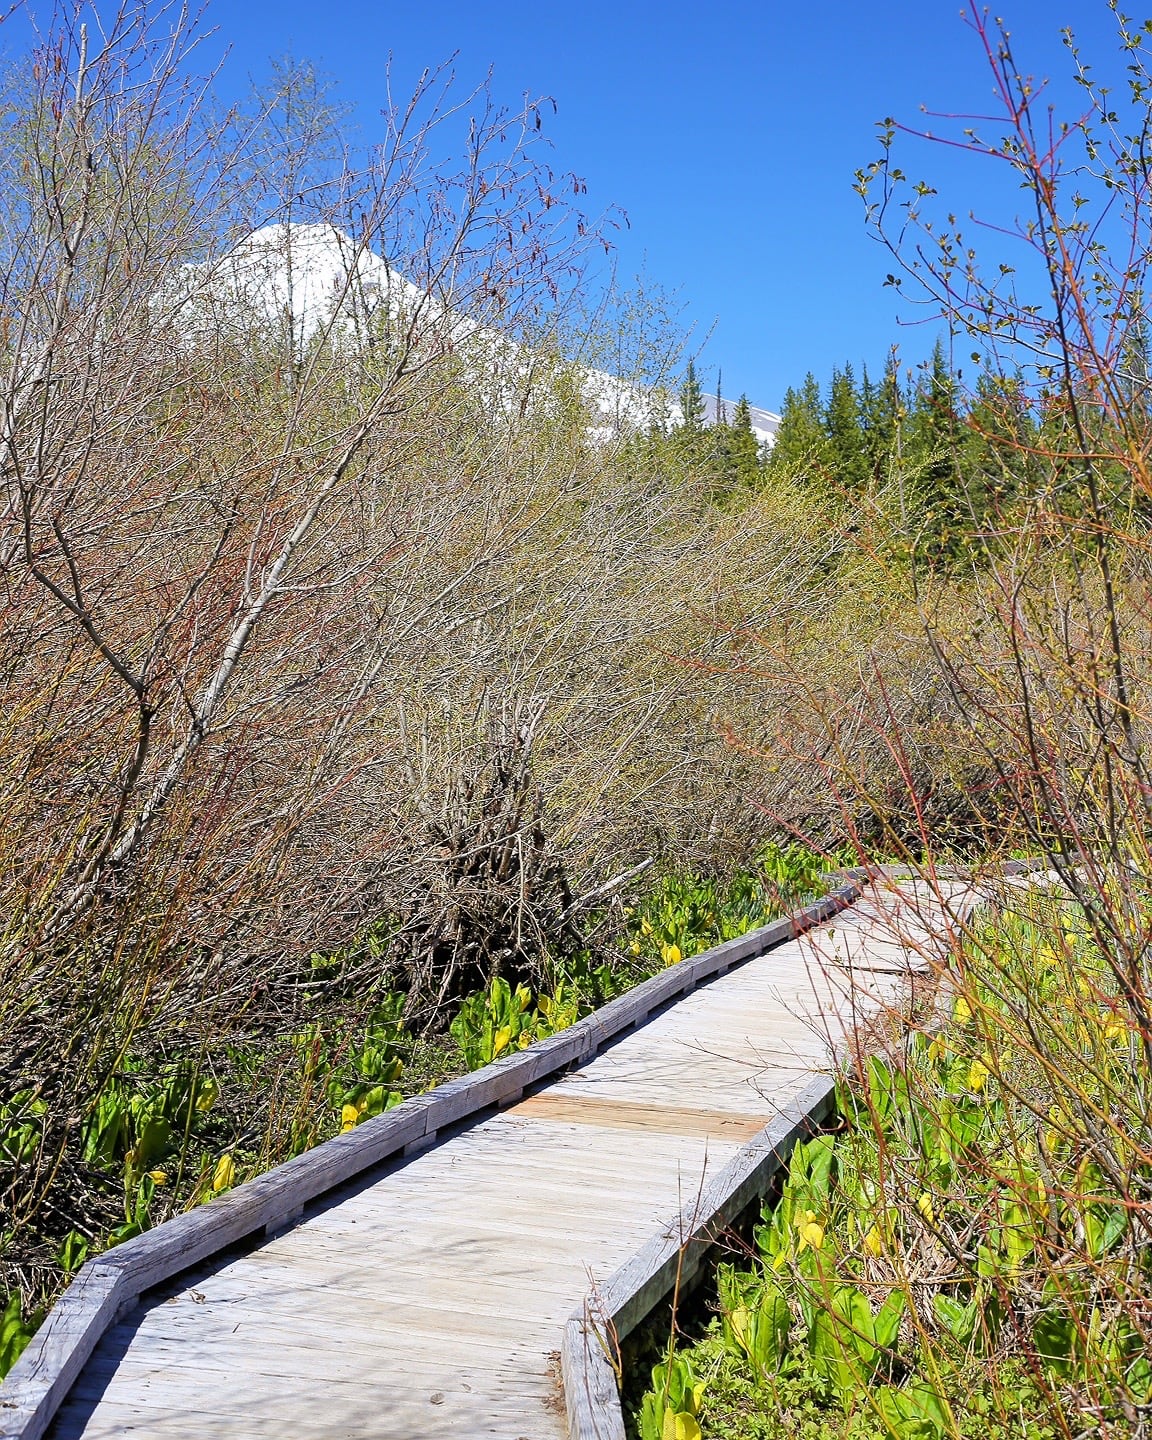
{"x": 938, "y": 1048}
{"x": 349, "y": 1118}
{"x": 978, "y": 1073}
{"x": 679, "y": 1427}
{"x": 924, "y": 1205}
{"x": 158, "y": 1177}
{"x": 811, "y": 1232}
{"x": 224, "y": 1176}
{"x": 874, "y": 1241}
{"x": 671, "y": 954}
{"x": 1054, "y": 1137}
{"x": 961, "y": 1011}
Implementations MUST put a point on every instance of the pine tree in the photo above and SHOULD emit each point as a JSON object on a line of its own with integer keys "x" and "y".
{"x": 845, "y": 432}
{"x": 802, "y": 447}
{"x": 692, "y": 406}
{"x": 935, "y": 425}
{"x": 1000, "y": 451}
{"x": 937, "y": 455}
{"x": 881, "y": 418}
{"x": 744, "y": 447}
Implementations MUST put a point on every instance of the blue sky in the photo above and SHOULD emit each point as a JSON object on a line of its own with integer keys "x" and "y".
{"x": 729, "y": 133}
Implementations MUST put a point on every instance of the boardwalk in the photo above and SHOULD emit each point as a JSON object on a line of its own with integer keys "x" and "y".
{"x": 428, "y": 1299}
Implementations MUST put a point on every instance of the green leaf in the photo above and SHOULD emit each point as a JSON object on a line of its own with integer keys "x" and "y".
{"x": 914, "y": 1412}
{"x": 959, "y": 1320}
{"x": 858, "y": 1329}
{"x": 842, "y": 1341}
{"x": 886, "y": 1326}
{"x": 758, "y": 1328}
{"x": 1055, "y": 1337}
{"x": 879, "y": 1072}
{"x": 152, "y": 1143}
{"x": 73, "y": 1253}
{"x": 14, "y": 1334}
{"x": 1104, "y": 1225}
{"x": 897, "y": 1412}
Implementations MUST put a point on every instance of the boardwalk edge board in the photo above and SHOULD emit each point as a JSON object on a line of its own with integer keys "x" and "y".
{"x": 111, "y": 1284}
{"x": 589, "y": 1353}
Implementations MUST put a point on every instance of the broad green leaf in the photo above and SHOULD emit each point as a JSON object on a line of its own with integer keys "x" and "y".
{"x": 14, "y": 1335}
{"x": 899, "y": 1414}
{"x": 959, "y": 1320}
{"x": 152, "y": 1143}
{"x": 857, "y": 1327}
{"x": 1104, "y": 1225}
{"x": 886, "y": 1326}
{"x": 1054, "y": 1336}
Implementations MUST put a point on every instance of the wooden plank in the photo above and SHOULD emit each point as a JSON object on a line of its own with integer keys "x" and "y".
{"x": 442, "y": 1411}
{"x": 487, "y": 1324}
{"x": 41, "y": 1378}
{"x": 619, "y": 1304}
{"x": 589, "y": 1365}
{"x": 628, "y": 1115}
{"x": 591, "y": 1395}
{"x": 648, "y": 1277}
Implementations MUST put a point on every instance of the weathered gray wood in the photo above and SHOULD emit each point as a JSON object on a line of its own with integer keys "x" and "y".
{"x": 40, "y": 1379}
{"x": 589, "y": 1356}
{"x": 36, "y": 1387}
{"x": 589, "y": 1360}
{"x": 635, "y": 1289}
{"x": 268, "y": 1200}
{"x": 872, "y": 873}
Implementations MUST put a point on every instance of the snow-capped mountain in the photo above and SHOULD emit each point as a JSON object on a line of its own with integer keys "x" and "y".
{"x": 764, "y": 422}
{"x": 297, "y": 278}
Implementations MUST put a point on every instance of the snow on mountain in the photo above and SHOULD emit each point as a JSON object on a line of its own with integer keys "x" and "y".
{"x": 297, "y": 278}
{"x": 765, "y": 423}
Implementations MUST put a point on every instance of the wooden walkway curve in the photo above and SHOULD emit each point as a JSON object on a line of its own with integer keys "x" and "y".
{"x": 428, "y": 1298}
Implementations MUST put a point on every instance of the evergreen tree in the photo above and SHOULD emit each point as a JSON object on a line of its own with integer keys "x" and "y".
{"x": 937, "y": 446}
{"x": 1134, "y": 371}
{"x": 1000, "y": 451}
{"x": 692, "y": 406}
{"x": 881, "y": 414}
{"x": 935, "y": 424}
{"x": 744, "y": 448}
{"x": 802, "y": 445}
{"x": 845, "y": 432}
